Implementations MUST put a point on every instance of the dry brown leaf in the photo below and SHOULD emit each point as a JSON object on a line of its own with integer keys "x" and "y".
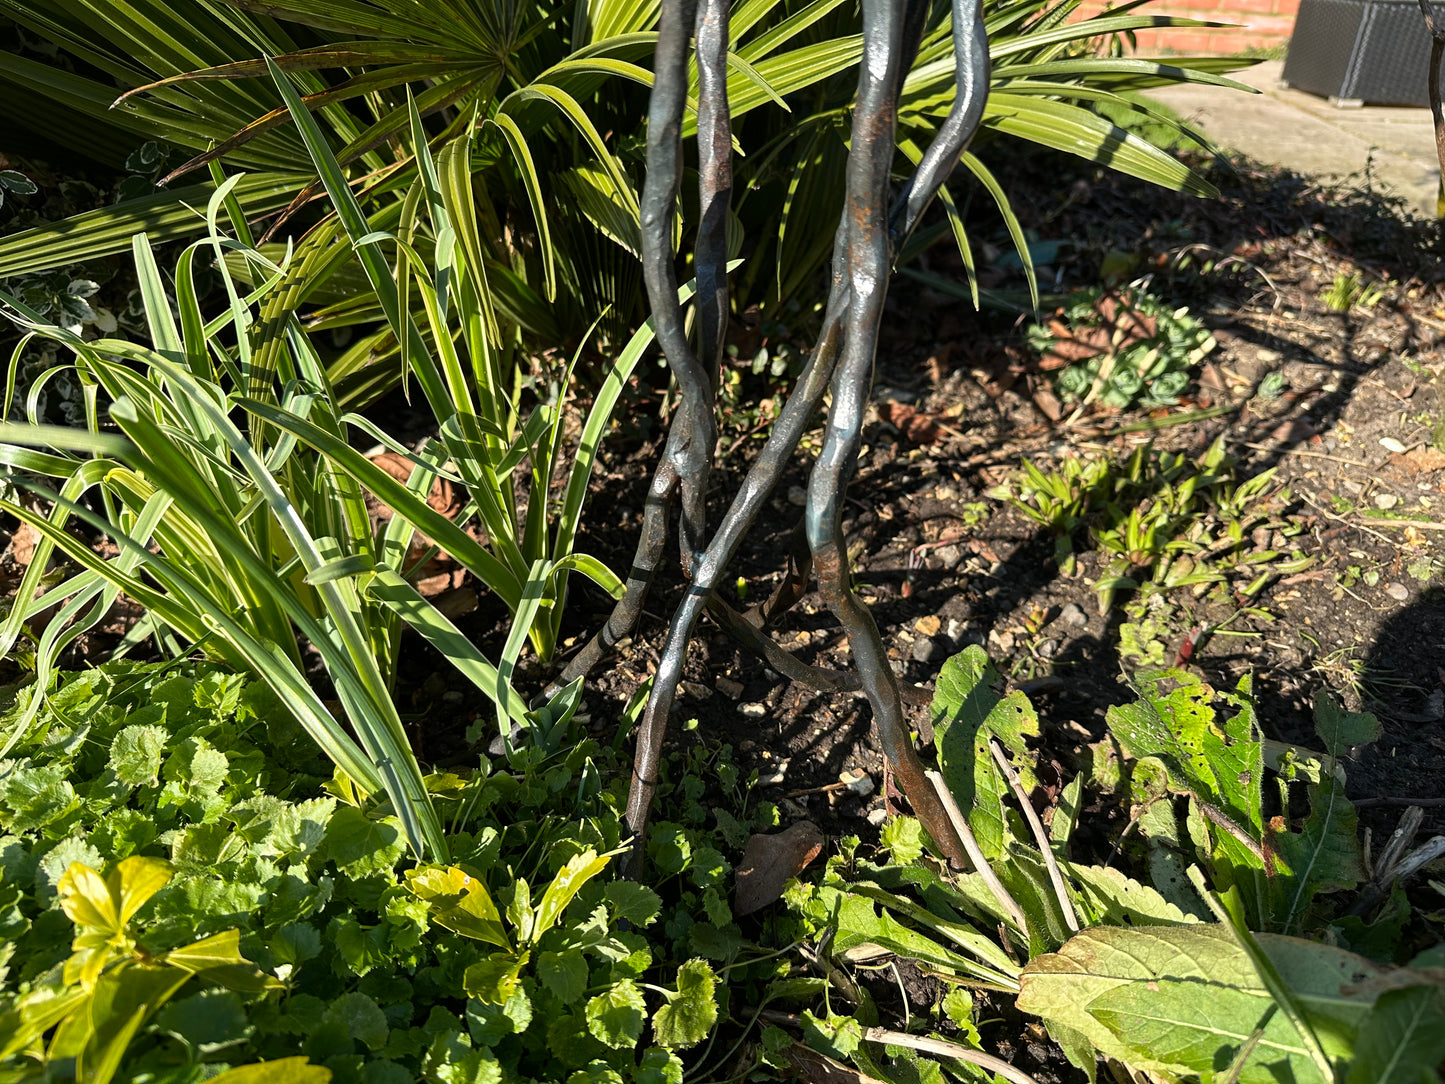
{"x": 812, "y": 1067}
{"x": 769, "y": 861}
{"x": 1421, "y": 460}
{"x": 22, "y": 544}
{"x": 916, "y": 426}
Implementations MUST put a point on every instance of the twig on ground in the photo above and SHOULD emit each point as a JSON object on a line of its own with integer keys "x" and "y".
{"x": 1040, "y": 837}
{"x": 975, "y": 853}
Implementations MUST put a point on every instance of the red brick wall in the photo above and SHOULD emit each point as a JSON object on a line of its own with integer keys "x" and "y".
{"x": 1261, "y": 23}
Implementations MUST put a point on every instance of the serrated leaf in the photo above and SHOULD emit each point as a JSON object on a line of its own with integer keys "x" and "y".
{"x": 690, "y": 1013}
{"x": 563, "y": 973}
{"x": 967, "y": 711}
{"x": 633, "y": 903}
{"x": 490, "y": 1023}
{"x": 1207, "y": 963}
{"x": 658, "y": 1066}
{"x": 903, "y": 839}
{"x": 1112, "y": 898}
{"x": 361, "y": 1018}
{"x": 615, "y": 1016}
{"x": 363, "y": 846}
{"x": 136, "y": 753}
{"x": 1402, "y": 1040}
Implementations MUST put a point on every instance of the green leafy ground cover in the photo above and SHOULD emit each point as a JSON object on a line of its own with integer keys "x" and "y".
{"x": 186, "y": 887}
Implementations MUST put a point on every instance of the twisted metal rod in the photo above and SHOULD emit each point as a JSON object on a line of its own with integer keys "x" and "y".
{"x": 1437, "y": 49}
{"x": 865, "y": 247}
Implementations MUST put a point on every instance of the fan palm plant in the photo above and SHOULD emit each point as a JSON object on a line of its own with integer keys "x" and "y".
{"x": 548, "y": 102}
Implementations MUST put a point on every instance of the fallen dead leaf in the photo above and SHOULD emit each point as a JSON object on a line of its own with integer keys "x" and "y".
{"x": 770, "y": 860}
{"x": 916, "y": 426}
{"x": 812, "y": 1067}
{"x": 1421, "y": 460}
{"x": 22, "y": 544}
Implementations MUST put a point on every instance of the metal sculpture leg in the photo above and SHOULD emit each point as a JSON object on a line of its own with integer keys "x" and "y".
{"x": 867, "y": 241}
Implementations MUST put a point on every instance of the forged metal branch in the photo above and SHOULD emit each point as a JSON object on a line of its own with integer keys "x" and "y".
{"x": 971, "y": 64}
{"x": 695, "y": 424}
{"x": 1437, "y": 49}
{"x": 870, "y": 160}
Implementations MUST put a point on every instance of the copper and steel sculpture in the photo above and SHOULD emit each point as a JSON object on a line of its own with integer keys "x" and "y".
{"x": 873, "y": 228}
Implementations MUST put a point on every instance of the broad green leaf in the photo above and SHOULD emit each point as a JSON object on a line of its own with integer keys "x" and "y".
{"x": 361, "y": 1018}
{"x": 1402, "y": 1040}
{"x": 363, "y": 846}
{"x": 87, "y": 901}
{"x": 633, "y": 903}
{"x": 689, "y": 1014}
{"x": 564, "y": 973}
{"x": 135, "y": 755}
{"x": 967, "y": 712}
{"x": 135, "y": 880}
{"x": 1206, "y": 963}
{"x": 1339, "y": 729}
{"x": 494, "y": 981}
{"x": 1177, "y": 1023}
{"x": 1111, "y": 898}
{"x": 280, "y": 1071}
{"x": 658, "y": 1066}
{"x": 570, "y": 878}
{"x": 615, "y": 1016}
{"x": 461, "y": 902}
{"x": 1324, "y": 856}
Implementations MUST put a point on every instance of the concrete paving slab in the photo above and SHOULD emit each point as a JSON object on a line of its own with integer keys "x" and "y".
{"x": 1393, "y": 147}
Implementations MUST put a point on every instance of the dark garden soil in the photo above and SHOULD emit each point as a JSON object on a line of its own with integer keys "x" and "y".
{"x": 941, "y": 564}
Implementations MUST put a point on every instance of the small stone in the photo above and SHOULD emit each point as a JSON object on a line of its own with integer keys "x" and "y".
{"x": 925, "y": 649}
{"x": 696, "y": 690}
{"x": 797, "y": 495}
{"x": 876, "y": 817}
{"x": 776, "y": 776}
{"x": 928, "y": 625}
{"x": 1392, "y": 445}
{"x": 730, "y": 688}
{"x": 955, "y": 629}
{"x": 859, "y": 782}
{"x": 1048, "y": 649}
{"x": 949, "y": 556}
{"x": 1397, "y": 591}
{"x": 453, "y": 696}
{"x": 1073, "y": 615}
{"x": 1385, "y": 501}
{"x": 1004, "y": 641}
{"x": 1352, "y": 487}
{"x": 755, "y": 709}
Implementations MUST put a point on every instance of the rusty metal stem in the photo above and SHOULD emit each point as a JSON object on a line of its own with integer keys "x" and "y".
{"x": 865, "y": 248}
{"x": 1437, "y": 48}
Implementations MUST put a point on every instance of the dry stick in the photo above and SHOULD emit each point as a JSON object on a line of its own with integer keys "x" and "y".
{"x": 1056, "y": 878}
{"x": 975, "y": 853}
{"x": 945, "y": 1049}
